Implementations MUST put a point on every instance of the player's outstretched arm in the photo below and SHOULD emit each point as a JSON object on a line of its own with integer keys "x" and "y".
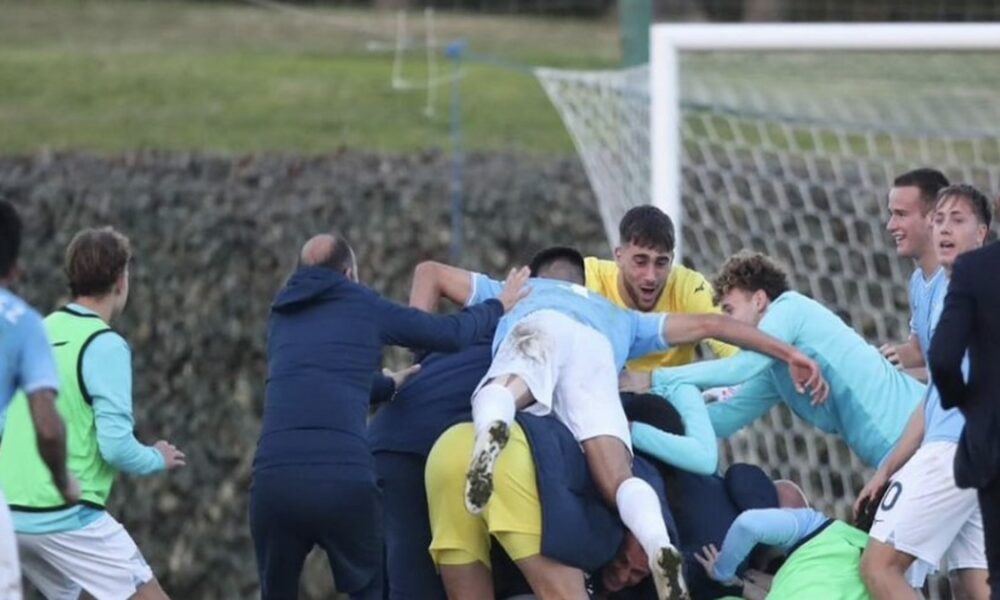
{"x": 433, "y": 280}
{"x": 689, "y": 329}
{"x": 50, "y": 432}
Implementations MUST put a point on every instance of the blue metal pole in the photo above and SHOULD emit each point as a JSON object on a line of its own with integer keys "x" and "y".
{"x": 457, "y": 153}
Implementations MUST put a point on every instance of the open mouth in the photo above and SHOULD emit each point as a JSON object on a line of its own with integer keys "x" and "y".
{"x": 946, "y": 245}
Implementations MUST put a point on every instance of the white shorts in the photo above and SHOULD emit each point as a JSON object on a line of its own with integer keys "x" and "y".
{"x": 10, "y": 571}
{"x": 100, "y": 558}
{"x": 925, "y": 515}
{"x": 569, "y": 369}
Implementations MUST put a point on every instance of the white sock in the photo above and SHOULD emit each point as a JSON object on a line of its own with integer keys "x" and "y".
{"x": 639, "y": 508}
{"x": 493, "y": 402}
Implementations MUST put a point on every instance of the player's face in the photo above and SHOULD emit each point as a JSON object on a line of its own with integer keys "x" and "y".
{"x": 746, "y": 307}
{"x": 908, "y": 225}
{"x": 644, "y": 273}
{"x": 629, "y": 567}
{"x": 956, "y": 230}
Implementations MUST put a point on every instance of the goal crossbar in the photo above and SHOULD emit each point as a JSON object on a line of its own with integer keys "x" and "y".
{"x": 668, "y": 41}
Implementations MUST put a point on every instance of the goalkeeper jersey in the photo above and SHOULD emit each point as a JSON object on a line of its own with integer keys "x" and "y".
{"x": 687, "y": 291}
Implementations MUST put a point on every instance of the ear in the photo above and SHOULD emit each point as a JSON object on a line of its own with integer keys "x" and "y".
{"x": 983, "y": 232}
{"x": 759, "y": 300}
{"x": 350, "y": 274}
{"x": 120, "y": 282}
{"x": 618, "y": 253}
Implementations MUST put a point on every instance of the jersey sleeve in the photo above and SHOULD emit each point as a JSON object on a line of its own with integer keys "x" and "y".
{"x": 771, "y": 526}
{"x": 647, "y": 333}
{"x": 483, "y": 288}
{"x": 37, "y": 366}
{"x": 107, "y": 373}
{"x": 697, "y": 450}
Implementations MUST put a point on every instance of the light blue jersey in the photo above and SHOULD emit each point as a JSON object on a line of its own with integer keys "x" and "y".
{"x": 632, "y": 334}
{"x": 26, "y": 361}
{"x": 870, "y": 401}
{"x": 107, "y": 372}
{"x": 925, "y": 296}
{"x": 941, "y": 425}
{"x": 782, "y": 528}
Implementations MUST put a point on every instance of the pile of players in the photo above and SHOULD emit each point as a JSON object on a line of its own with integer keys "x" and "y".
{"x": 552, "y": 438}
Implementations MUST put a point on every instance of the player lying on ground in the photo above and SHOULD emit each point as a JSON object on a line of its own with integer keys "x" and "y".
{"x": 823, "y": 555}
{"x": 560, "y": 351}
{"x": 870, "y": 400}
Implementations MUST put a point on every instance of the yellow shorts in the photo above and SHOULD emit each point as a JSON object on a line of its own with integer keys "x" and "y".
{"x": 513, "y": 515}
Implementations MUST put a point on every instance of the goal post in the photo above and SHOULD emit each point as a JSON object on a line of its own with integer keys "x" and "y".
{"x": 785, "y": 139}
{"x": 667, "y": 41}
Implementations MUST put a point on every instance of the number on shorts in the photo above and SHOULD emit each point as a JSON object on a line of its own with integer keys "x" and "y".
{"x": 891, "y": 495}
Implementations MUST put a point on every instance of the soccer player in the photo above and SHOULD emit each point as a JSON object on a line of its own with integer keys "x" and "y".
{"x": 924, "y": 516}
{"x": 314, "y": 479}
{"x": 823, "y": 555}
{"x": 561, "y": 352}
{"x": 547, "y": 514}
{"x": 870, "y": 401}
{"x": 642, "y": 277}
{"x": 26, "y": 365}
{"x": 911, "y": 208}
{"x": 68, "y": 548}
{"x": 970, "y": 322}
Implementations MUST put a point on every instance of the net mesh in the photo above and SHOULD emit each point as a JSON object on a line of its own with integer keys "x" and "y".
{"x": 791, "y": 154}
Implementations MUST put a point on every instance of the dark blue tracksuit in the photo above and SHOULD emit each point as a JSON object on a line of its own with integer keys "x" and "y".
{"x": 401, "y": 435}
{"x": 314, "y": 477}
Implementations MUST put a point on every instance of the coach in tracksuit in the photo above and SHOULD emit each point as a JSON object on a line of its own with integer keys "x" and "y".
{"x": 314, "y": 478}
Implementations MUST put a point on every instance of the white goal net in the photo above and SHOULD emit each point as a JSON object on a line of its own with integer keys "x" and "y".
{"x": 792, "y": 153}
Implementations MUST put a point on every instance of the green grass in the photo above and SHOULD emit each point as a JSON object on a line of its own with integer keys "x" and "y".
{"x": 120, "y": 75}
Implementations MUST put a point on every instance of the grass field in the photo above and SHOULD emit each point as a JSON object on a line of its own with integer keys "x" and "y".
{"x": 118, "y": 75}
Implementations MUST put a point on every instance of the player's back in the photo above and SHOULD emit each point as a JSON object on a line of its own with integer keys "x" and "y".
{"x": 870, "y": 400}
{"x": 13, "y": 313}
{"x": 580, "y": 304}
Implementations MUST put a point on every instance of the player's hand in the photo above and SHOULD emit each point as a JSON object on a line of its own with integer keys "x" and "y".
{"x": 69, "y": 489}
{"x": 399, "y": 377}
{"x": 708, "y": 557}
{"x": 891, "y": 353}
{"x": 871, "y": 492}
{"x": 514, "y": 288}
{"x": 173, "y": 457}
{"x": 756, "y": 584}
{"x": 808, "y": 376}
{"x": 635, "y": 382}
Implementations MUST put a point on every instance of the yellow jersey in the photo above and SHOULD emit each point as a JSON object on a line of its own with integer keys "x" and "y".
{"x": 687, "y": 291}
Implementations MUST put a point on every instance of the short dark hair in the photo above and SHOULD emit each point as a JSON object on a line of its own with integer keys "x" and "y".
{"x": 95, "y": 259}
{"x": 647, "y": 226}
{"x": 558, "y": 254}
{"x": 10, "y": 237}
{"x": 928, "y": 181}
{"x": 653, "y": 410}
{"x": 977, "y": 200}
{"x": 750, "y": 271}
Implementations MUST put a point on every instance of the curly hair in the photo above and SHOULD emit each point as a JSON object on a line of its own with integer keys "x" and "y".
{"x": 750, "y": 271}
